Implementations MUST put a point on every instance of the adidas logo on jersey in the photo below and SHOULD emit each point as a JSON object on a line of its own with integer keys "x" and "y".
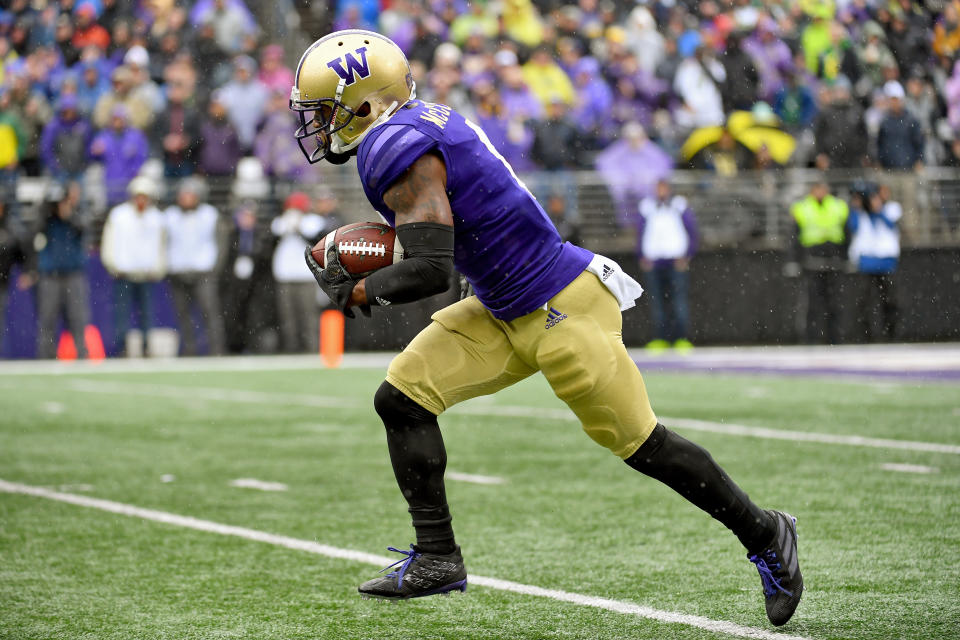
{"x": 382, "y": 301}
{"x": 607, "y": 272}
{"x": 553, "y": 318}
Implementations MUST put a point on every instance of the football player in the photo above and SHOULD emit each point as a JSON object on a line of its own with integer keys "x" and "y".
{"x": 540, "y": 305}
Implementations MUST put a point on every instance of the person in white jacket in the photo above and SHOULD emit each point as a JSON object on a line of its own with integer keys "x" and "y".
{"x": 133, "y": 250}
{"x": 874, "y": 252}
{"x": 193, "y": 254}
{"x": 297, "y": 304}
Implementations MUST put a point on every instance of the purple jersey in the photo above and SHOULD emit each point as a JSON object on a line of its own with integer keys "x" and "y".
{"x": 504, "y": 243}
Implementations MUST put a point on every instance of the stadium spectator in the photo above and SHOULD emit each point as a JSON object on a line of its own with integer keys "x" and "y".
{"x": 143, "y": 88}
{"x": 12, "y": 253}
{"x": 30, "y": 109}
{"x": 65, "y": 142}
{"x": 817, "y": 252}
{"x": 742, "y": 83}
{"x": 546, "y": 79}
{"x": 840, "y": 133}
{"x": 219, "y": 143}
{"x": 477, "y": 20}
{"x": 921, "y": 102}
{"x": 87, "y": 31}
{"x": 245, "y": 98}
{"x": 176, "y": 134}
{"x": 133, "y": 250}
{"x": 593, "y": 102}
{"x": 946, "y": 33}
{"x": 794, "y": 103}
{"x": 12, "y": 141}
{"x": 92, "y": 84}
{"x": 296, "y": 301}
{"x": 231, "y": 21}
{"x": 667, "y": 237}
{"x": 122, "y": 149}
{"x": 646, "y": 43}
{"x": 909, "y": 40}
{"x": 193, "y": 256}
{"x": 139, "y": 112}
{"x": 951, "y": 91}
{"x": 512, "y": 137}
{"x": 874, "y": 54}
{"x": 696, "y": 84}
{"x": 900, "y": 140}
{"x": 874, "y": 252}
{"x": 771, "y": 55}
{"x": 519, "y": 102}
{"x": 557, "y": 150}
{"x": 248, "y": 296}
{"x": 631, "y": 167}
{"x": 62, "y": 288}
{"x": 63, "y": 40}
{"x": 275, "y": 75}
{"x": 276, "y": 149}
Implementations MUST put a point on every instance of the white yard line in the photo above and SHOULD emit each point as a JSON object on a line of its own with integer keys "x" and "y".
{"x": 482, "y": 409}
{"x": 260, "y": 485}
{"x": 908, "y": 468}
{"x": 616, "y": 606}
{"x": 473, "y": 478}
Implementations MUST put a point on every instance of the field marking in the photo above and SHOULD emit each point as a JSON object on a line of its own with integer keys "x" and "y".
{"x": 908, "y": 468}
{"x": 260, "y": 485}
{"x": 330, "y": 402}
{"x": 616, "y": 606}
{"x": 474, "y": 478}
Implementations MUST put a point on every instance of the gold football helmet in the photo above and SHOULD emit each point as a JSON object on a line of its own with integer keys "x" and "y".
{"x": 347, "y": 83}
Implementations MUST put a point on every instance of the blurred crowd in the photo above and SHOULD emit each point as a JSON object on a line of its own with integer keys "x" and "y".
{"x": 724, "y": 85}
{"x": 236, "y": 282}
{"x": 97, "y": 93}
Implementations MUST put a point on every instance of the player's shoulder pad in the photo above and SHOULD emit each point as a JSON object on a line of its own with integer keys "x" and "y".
{"x": 391, "y": 152}
{"x": 679, "y": 203}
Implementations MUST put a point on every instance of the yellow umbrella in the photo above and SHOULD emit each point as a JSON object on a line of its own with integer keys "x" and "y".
{"x": 752, "y": 132}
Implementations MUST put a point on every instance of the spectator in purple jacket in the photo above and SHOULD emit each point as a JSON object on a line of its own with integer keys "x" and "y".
{"x": 666, "y": 241}
{"x": 512, "y": 137}
{"x": 276, "y": 149}
{"x": 518, "y": 100}
{"x": 220, "y": 146}
{"x": 64, "y": 141}
{"x": 593, "y": 100}
{"x": 630, "y": 167}
{"x": 771, "y": 55}
{"x": 122, "y": 149}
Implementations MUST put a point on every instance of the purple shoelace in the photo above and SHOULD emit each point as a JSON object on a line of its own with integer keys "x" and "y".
{"x": 411, "y": 555}
{"x": 770, "y": 583}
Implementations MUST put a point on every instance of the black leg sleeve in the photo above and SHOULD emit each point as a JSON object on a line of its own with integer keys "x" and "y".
{"x": 419, "y": 460}
{"x": 692, "y": 472}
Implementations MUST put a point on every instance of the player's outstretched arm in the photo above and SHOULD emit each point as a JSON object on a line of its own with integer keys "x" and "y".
{"x": 424, "y": 226}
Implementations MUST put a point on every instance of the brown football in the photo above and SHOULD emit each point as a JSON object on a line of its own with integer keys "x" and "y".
{"x": 364, "y": 247}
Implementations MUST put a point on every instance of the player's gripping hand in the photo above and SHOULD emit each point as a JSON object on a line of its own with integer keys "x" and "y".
{"x": 334, "y": 280}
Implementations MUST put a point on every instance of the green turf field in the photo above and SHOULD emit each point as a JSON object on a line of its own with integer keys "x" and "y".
{"x": 880, "y": 549}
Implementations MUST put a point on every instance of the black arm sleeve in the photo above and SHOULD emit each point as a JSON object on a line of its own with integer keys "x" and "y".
{"x": 424, "y": 271}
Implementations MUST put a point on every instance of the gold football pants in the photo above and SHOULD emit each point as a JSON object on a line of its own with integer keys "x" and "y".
{"x": 466, "y": 352}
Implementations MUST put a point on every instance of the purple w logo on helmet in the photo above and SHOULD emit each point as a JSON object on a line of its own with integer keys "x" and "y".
{"x": 353, "y": 64}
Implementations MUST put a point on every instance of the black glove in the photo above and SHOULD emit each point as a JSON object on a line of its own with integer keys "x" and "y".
{"x": 335, "y": 281}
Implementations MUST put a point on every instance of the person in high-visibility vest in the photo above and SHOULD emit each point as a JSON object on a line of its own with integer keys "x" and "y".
{"x": 820, "y": 249}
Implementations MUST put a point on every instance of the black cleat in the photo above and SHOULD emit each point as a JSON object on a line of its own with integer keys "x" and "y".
{"x": 779, "y": 570}
{"x": 420, "y": 574}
